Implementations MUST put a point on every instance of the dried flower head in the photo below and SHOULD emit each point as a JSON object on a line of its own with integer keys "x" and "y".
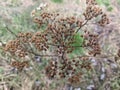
{"x": 91, "y": 12}
{"x": 39, "y": 39}
{"x": 91, "y": 2}
{"x": 20, "y": 65}
{"x": 92, "y": 42}
{"x": 58, "y": 38}
{"x": 104, "y": 20}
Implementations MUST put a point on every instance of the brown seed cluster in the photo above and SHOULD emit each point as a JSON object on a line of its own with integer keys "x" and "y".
{"x": 104, "y": 20}
{"x": 75, "y": 79}
{"x": 22, "y": 52}
{"x": 15, "y": 48}
{"x": 86, "y": 64}
{"x": 12, "y": 46}
{"x": 67, "y": 67}
{"x": 45, "y": 18}
{"x": 92, "y": 42}
{"x": 25, "y": 37}
{"x": 60, "y": 30}
{"x": 92, "y": 11}
{"x": 21, "y": 45}
{"x": 91, "y": 2}
{"x": 20, "y": 65}
{"x": 61, "y": 70}
{"x": 39, "y": 39}
{"x": 51, "y": 69}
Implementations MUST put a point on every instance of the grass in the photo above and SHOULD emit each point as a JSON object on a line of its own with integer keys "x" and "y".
{"x": 15, "y": 3}
{"x": 21, "y": 22}
{"x": 79, "y": 41}
{"x": 57, "y": 1}
{"x": 118, "y": 1}
{"x": 105, "y": 3}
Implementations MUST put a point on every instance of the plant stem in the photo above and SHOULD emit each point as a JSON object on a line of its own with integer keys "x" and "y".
{"x": 82, "y": 26}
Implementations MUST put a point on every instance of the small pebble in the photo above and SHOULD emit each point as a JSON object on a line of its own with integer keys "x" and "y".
{"x": 90, "y": 87}
{"x": 37, "y": 82}
{"x": 94, "y": 62}
{"x": 103, "y": 69}
{"x": 78, "y": 89}
{"x": 38, "y": 58}
{"x": 102, "y": 76}
{"x": 113, "y": 65}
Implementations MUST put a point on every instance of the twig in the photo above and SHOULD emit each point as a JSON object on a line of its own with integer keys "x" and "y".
{"x": 10, "y": 31}
{"x": 31, "y": 50}
{"x": 81, "y": 26}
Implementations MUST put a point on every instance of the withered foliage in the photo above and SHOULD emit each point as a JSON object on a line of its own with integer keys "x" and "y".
{"x": 58, "y": 38}
{"x": 20, "y": 65}
{"x": 92, "y": 41}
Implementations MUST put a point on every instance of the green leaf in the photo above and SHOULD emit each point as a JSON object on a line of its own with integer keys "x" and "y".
{"x": 109, "y": 9}
{"x": 103, "y": 2}
{"x": 1, "y": 70}
{"x": 118, "y": 1}
{"x": 57, "y": 1}
{"x": 78, "y": 42}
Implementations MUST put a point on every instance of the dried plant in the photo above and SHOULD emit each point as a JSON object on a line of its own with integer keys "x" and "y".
{"x": 54, "y": 42}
